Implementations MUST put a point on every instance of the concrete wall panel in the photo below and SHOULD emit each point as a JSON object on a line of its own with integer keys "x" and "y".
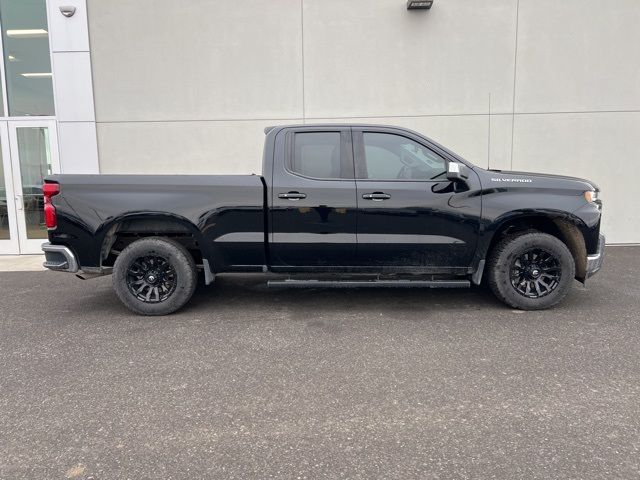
{"x": 196, "y": 60}
{"x": 74, "y": 95}
{"x": 500, "y": 144}
{"x": 181, "y": 147}
{"x": 78, "y": 148}
{"x": 600, "y": 147}
{"x": 372, "y": 58}
{"x": 578, "y": 55}
{"x": 71, "y": 63}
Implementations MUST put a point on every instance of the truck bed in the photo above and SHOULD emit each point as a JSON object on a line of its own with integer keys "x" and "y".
{"x": 223, "y": 213}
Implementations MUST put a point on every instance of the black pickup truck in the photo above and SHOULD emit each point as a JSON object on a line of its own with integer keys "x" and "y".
{"x": 336, "y": 205}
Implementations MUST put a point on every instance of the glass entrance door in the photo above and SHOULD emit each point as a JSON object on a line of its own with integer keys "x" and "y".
{"x": 8, "y": 222}
{"x": 34, "y": 155}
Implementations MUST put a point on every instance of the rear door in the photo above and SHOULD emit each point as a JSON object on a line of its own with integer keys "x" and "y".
{"x": 409, "y": 214}
{"x": 313, "y": 200}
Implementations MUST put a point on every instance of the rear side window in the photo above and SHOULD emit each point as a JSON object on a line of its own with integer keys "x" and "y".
{"x": 394, "y": 157}
{"x": 317, "y": 154}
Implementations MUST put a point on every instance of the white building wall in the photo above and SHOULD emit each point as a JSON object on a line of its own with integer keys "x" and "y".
{"x": 538, "y": 85}
{"x": 71, "y": 64}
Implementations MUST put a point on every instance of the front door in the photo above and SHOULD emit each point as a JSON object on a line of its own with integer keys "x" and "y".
{"x": 29, "y": 153}
{"x": 313, "y": 205}
{"x": 409, "y": 215}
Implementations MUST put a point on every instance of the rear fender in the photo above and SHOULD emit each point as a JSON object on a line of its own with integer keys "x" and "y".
{"x": 147, "y": 223}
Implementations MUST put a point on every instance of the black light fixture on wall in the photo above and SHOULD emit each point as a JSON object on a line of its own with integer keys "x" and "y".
{"x": 419, "y": 4}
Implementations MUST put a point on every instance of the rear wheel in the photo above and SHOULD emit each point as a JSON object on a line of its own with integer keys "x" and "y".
{"x": 154, "y": 276}
{"x": 531, "y": 271}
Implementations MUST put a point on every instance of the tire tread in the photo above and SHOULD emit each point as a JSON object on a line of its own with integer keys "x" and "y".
{"x": 185, "y": 262}
{"x": 497, "y": 257}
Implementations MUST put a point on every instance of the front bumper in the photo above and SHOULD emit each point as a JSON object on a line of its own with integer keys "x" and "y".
{"x": 59, "y": 258}
{"x": 594, "y": 262}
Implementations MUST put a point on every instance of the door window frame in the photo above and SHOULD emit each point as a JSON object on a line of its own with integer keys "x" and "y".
{"x": 28, "y": 245}
{"x": 346, "y": 151}
{"x": 360, "y": 156}
{"x": 11, "y": 245}
{"x": 284, "y": 179}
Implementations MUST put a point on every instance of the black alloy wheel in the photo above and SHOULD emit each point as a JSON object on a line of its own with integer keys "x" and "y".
{"x": 530, "y": 270}
{"x": 155, "y": 276}
{"x": 151, "y": 278}
{"x": 535, "y": 273}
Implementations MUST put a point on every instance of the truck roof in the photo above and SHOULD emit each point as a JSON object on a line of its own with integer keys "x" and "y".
{"x": 269, "y": 129}
{"x": 332, "y": 125}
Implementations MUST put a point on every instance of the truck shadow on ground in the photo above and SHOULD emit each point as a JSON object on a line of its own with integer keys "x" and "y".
{"x": 238, "y": 295}
{"x": 243, "y": 292}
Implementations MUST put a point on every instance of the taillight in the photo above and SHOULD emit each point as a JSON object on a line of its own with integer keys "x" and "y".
{"x": 49, "y": 190}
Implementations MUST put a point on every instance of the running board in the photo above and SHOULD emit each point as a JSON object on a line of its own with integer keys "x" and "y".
{"x": 292, "y": 283}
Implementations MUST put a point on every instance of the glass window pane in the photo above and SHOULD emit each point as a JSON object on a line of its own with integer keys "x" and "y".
{"x": 2, "y": 114}
{"x": 27, "y": 61}
{"x": 317, "y": 154}
{"x": 4, "y": 214}
{"x": 35, "y": 164}
{"x": 382, "y": 163}
{"x": 394, "y": 157}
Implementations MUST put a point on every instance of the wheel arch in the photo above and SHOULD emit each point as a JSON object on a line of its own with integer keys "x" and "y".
{"x": 121, "y": 231}
{"x": 564, "y": 226}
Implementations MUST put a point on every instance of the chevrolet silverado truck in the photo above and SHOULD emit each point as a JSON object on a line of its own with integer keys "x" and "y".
{"x": 336, "y": 205}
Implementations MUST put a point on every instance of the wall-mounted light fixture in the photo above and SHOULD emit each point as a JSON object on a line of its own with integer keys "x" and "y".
{"x": 68, "y": 11}
{"x": 419, "y": 4}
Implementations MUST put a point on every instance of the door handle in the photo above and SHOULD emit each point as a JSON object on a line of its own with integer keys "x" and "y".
{"x": 19, "y": 203}
{"x": 292, "y": 195}
{"x": 376, "y": 196}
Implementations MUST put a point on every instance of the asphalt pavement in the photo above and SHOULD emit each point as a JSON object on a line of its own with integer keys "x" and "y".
{"x": 248, "y": 382}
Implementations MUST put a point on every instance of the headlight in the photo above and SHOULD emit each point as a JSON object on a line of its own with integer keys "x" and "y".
{"x": 591, "y": 195}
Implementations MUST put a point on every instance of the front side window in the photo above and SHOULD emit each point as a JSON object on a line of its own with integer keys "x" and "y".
{"x": 394, "y": 157}
{"x": 317, "y": 154}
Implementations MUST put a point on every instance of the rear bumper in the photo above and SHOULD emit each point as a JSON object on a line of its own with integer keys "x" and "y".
{"x": 594, "y": 262}
{"x": 59, "y": 258}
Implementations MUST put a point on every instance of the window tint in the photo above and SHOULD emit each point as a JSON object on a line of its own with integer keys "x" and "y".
{"x": 393, "y": 157}
{"x": 317, "y": 154}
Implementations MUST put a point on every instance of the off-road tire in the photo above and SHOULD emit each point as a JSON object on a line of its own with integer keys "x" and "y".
{"x": 183, "y": 268}
{"x": 503, "y": 257}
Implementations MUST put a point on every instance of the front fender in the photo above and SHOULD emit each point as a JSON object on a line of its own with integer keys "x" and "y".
{"x": 572, "y": 230}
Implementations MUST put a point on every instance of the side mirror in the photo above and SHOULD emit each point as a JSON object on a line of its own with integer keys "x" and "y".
{"x": 457, "y": 172}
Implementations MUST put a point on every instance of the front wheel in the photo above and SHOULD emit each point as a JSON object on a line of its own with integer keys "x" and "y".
{"x": 154, "y": 276}
{"x": 531, "y": 271}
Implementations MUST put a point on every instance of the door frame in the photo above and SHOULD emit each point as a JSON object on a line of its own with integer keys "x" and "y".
{"x": 28, "y": 245}
{"x": 11, "y": 246}
{"x": 381, "y": 246}
{"x": 300, "y": 231}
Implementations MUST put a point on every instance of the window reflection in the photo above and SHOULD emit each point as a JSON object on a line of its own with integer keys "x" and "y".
{"x": 4, "y": 214}
{"x": 35, "y": 164}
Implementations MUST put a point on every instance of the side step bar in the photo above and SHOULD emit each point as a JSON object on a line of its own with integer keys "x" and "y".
{"x": 292, "y": 283}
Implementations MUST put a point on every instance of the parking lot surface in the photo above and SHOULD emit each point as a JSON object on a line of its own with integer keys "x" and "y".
{"x": 248, "y": 382}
